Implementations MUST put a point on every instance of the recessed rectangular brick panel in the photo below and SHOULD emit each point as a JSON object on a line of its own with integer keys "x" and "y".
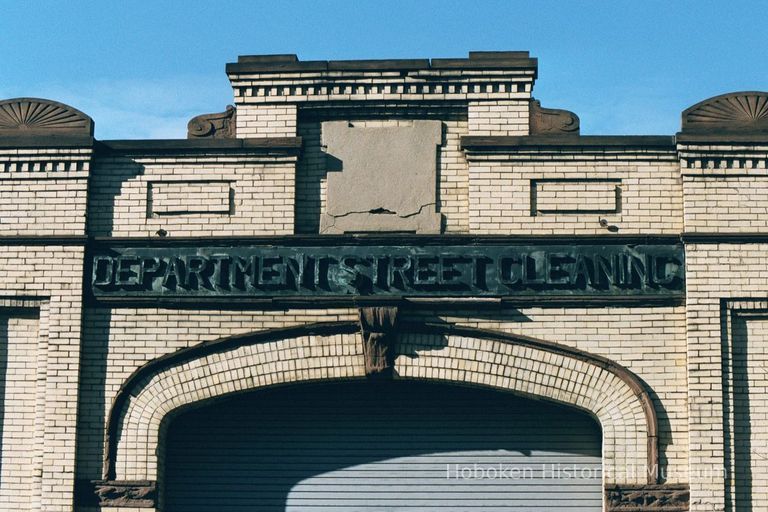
{"x": 168, "y": 198}
{"x": 574, "y": 196}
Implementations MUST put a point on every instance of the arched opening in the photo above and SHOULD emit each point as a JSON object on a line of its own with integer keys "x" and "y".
{"x": 367, "y": 445}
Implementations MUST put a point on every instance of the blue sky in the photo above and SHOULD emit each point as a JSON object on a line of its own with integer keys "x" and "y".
{"x": 141, "y": 69}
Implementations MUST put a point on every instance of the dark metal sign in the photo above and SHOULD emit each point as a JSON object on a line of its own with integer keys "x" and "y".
{"x": 492, "y": 270}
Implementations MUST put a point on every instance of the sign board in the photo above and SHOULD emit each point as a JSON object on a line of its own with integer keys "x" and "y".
{"x": 439, "y": 271}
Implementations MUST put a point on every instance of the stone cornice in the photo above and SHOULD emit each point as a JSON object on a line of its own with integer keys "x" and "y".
{"x": 289, "y": 63}
{"x": 723, "y": 137}
{"x": 569, "y": 141}
{"x": 47, "y": 142}
{"x": 263, "y": 145}
{"x": 534, "y": 148}
{"x": 284, "y": 79}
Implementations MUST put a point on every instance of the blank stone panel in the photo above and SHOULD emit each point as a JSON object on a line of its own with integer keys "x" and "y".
{"x": 452, "y": 175}
{"x": 399, "y": 161}
{"x": 189, "y": 198}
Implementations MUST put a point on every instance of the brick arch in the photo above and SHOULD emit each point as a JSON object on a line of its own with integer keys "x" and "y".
{"x": 526, "y": 366}
{"x": 540, "y": 369}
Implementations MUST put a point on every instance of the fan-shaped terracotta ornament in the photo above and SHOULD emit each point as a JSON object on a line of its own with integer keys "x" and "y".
{"x": 732, "y": 112}
{"x": 34, "y": 116}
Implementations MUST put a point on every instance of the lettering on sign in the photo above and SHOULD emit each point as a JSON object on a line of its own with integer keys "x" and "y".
{"x": 424, "y": 271}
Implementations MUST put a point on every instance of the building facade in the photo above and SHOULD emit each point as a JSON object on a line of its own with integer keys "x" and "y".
{"x": 384, "y": 285}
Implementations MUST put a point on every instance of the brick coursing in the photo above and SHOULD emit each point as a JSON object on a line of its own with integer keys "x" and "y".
{"x": 500, "y": 197}
{"x": 498, "y": 118}
{"x": 262, "y": 201}
{"x": 266, "y": 121}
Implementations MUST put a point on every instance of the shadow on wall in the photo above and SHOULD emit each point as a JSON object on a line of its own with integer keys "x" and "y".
{"x": 4, "y": 340}
{"x": 92, "y": 412}
{"x": 106, "y": 183}
{"x": 506, "y": 315}
{"x": 310, "y": 179}
{"x": 741, "y": 430}
{"x": 374, "y": 445}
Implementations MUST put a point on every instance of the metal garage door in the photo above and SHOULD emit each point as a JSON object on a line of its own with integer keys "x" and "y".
{"x": 386, "y": 446}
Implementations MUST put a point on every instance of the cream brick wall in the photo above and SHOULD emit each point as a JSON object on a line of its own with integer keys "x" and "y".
{"x": 43, "y": 207}
{"x": 500, "y": 197}
{"x": 499, "y": 117}
{"x": 311, "y": 181}
{"x": 723, "y": 159}
{"x": 266, "y": 120}
{"x": 452, "y": 173}
{"x": 579, "y": 196}
{"x": 726, "y": 204}
{"x": 19, "y": 332}
{"x": 725, "y": 193}
{"x": 715, "y": 272}
{"x": 51, "y": 277}
{"x": 262, "y": 202}
{"x": 498, "y": 101}
{"x": 190, "y": 197}
{"x": 43, "y": 191}
{"x": 725, "y": 187}
{"x": 454, "y": 179}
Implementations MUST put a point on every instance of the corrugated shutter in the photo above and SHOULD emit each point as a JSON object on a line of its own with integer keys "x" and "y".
{"x": 386, "y": 446}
